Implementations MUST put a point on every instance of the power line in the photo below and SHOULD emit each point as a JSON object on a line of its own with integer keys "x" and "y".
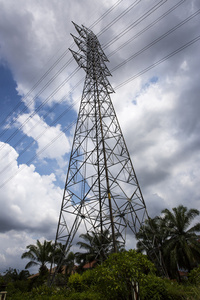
{"x": 135, "y": 23}
{"x": 158, "y": 62}
{"x": 50, "y": 81}
{"x": 38, "y": 94}
{"x": 40, "y": 135}
{"x": 116, "y": 88}
{"x": 47, "y": 73}
{"x": 39, "y": 153}
{"x": 146, "y": 28}
{"x": 119, "y": 17}
{"x": 148, "y": 68}
{"x": 105, "y": 14}
{"x": 40, "y": 106}
{"x": 55, "y": 76}
{"x": 156, "y": 40}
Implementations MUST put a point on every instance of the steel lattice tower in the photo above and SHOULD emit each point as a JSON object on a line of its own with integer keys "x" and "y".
{"x": 101, "y": 190}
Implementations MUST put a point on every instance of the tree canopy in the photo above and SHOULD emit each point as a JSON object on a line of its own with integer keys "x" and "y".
{"x": 39, "y": 255}
{"x": 96, "y": 246}
{"x": 174, "y": 236}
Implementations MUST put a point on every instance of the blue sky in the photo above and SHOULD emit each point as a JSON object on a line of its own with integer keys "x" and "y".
{"x": 158, "y": 111}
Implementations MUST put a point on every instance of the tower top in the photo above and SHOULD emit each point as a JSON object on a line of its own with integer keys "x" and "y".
{"x": 91, "y": 57}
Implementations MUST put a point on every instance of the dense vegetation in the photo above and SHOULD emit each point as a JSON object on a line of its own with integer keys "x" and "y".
{"x": 122, "y": 275}
{"x": 176, "y": 239}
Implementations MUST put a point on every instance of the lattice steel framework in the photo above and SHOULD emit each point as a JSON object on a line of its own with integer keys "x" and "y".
{"x": 101, "y": 190}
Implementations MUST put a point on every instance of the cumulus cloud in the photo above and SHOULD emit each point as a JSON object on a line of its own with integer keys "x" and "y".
{"x": 13, "y": 244}
{"x": 158, "y": 111}
{"x": 31, "y": 201}
{"x": 44, "y": 135}
{"x": 29, "y": 207}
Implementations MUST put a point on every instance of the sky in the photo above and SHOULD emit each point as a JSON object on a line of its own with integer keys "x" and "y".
{"x": 153, "y": 48}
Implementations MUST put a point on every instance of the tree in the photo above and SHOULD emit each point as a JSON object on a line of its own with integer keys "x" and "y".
{"x": 97, "y": 246}
{"x": 61, "y": 258}
{"x": 181, "y": 247}
{"x": 151, "y": 233}
{"x": 173, "y": 237}
{"x": 39, "y": 254}
{"x": 122, "y": 273}
{"x": 14, "y": 275}
{"x": 152, "y": 236}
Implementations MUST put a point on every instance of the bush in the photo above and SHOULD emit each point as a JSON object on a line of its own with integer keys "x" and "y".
{"x": 194, "y": 276}
{"x": 86, "y": 295}
{"x": 75, "y": 282}
{"x": 80, "y": 283}
{"x": 154, "y": 288}
{"x": 117, "y": 276}
{"x": 43, "y": 292}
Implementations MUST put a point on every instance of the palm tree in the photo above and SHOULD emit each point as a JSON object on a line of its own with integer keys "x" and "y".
{"x": 151, "y": 238}
{"x": 97, "y": 246}
{"x": 151, "y": 234}
{"x": 172, "y": 236}
{"x": 39, "y": 254}
{"x": 63, "y": 258}
{"x": 182, "y": 247}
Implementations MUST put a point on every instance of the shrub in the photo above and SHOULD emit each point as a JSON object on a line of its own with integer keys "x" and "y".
{"x": 154, "y": 288}
{"x": 194, "y": 276}
{"x": 86, "y": 295}
{"x": 79, "y": 283}
{"x": 116, "y": 277}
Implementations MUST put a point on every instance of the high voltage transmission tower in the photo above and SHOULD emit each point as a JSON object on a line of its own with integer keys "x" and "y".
{"x": 101, "y": 191}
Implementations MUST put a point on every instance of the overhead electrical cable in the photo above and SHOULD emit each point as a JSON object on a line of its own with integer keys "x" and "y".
{"x": 43, "y": 88}
{"x": 51, "y": 68}
{"x": 39, "y": 81}
{"x": 40, "y": 106}
{"x": 105, "y": 14}
{"x": 158, "y": 62}
{"x": 38, "y": 137}
{"x": 146, "y": 28}
{"x": 122, "y": 14}
{"x": 55, "y": 121}
{"x": 39, "y": 153}
{"x": 156, "y": 40}
{"x": 45, "y": 102}
{"x": 33, "y": 88}
{"x": 38, "y": 94}
{"x": 69, "y": 108}
{"x": 50, "y": 81}
{"x": 135, "y": 23}
{"x": 171, "y": 54}
{"x": 116, "y": 88}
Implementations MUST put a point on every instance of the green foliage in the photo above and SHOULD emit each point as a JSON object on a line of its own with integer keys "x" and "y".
{"x": 80, "y": 283}
{"x": 97, "y": 246}
{"x": 53, "y": 293}
{"x": 154, "y": 288}
{"x": 42, "y": 292}
{"x": 176, "y": 240}
{"x": 75, "y": 282}
{"x": 181, "y": 248}
{"x": 61, "y": 279}
{"x": 86, "y": 295}
{"x": 15, "y": 275}
{"x": 39, "y": 254}
{"x": 116, "y": 277}
{"x": 194, "y": 276}
{"x": 178, "y": 291}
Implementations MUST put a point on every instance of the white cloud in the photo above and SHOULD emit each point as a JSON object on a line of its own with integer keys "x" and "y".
{"x": 44, "y": 135}
{"x": 160, "y": 120}
{"x": 13, "y": 245}
{"x": 29, "y": 208}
